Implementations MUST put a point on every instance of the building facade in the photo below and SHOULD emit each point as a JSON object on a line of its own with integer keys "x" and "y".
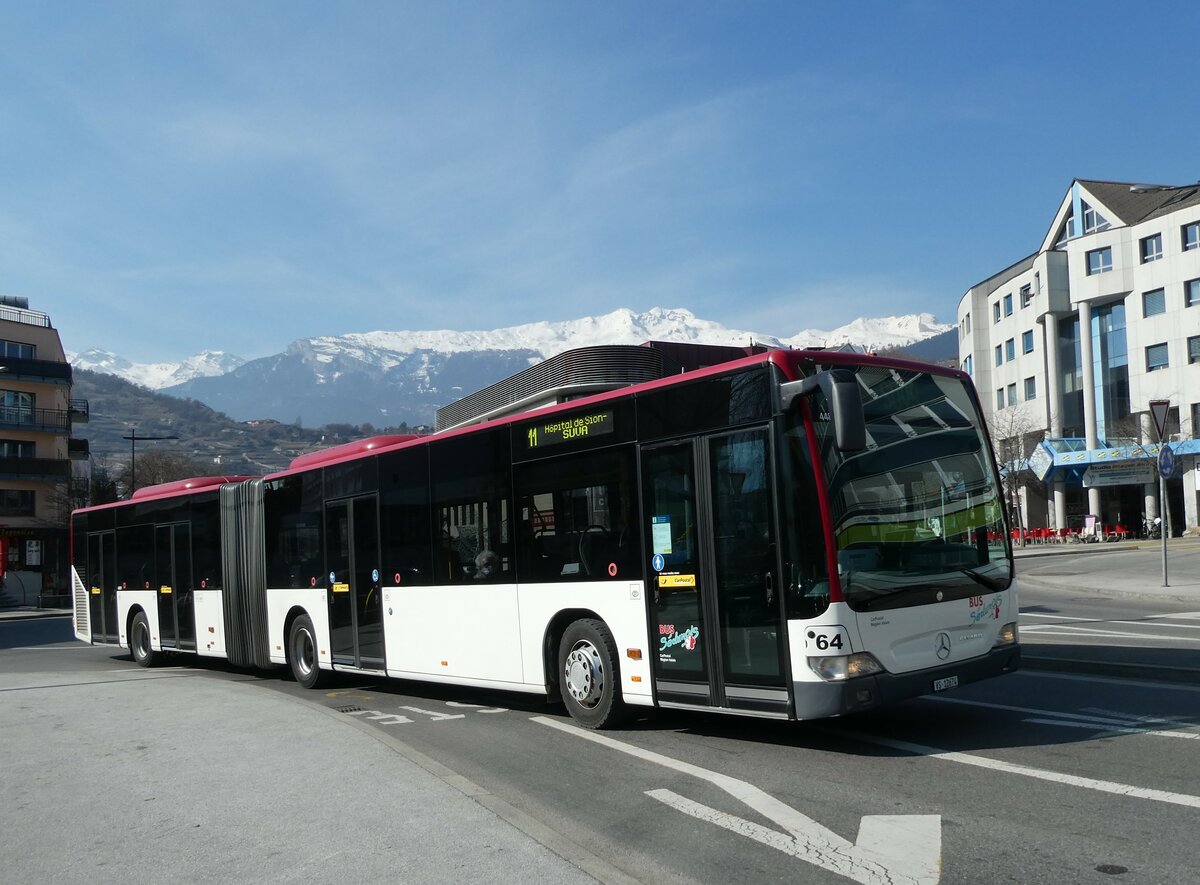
{"x": 1069, "y": 345}
{"x": 37, "y": 454}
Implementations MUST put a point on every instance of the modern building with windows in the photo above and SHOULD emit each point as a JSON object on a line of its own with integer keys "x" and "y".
{"x": 1069, "y": 345}
{"x": 37, "y": 454}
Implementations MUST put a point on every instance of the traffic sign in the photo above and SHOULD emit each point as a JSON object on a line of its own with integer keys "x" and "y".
{"x": 1166, "y": 462}
{"x": 1158, "y": 411}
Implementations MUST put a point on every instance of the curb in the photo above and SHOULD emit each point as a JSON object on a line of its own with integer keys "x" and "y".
{"x": 9, "y": 614}
{"x": 1153, "y": 672}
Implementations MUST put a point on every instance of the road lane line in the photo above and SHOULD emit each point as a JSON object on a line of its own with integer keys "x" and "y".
{"x": 1086, "y": 783}
{"x": 1120, "y": 681}
{"x": 890, "y": 849}
{"x": 1187, "y": 735}
{"x": 1068, "y": 630}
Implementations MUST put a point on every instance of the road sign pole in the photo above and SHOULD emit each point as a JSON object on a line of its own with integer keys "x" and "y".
{"x": 1162, "y": 523}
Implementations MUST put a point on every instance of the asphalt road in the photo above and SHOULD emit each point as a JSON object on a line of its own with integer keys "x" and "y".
{"x": 1040, "y": 776}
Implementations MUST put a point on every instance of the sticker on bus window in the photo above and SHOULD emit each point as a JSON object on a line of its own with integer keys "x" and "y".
{"x": 670, "y": 581}
{"x": 660, "y": 534}
{"x": 341, "y": 588}
{"x": 164, "y": 589}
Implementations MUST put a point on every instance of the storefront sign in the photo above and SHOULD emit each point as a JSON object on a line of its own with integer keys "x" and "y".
{"x": 1118, "y": 475}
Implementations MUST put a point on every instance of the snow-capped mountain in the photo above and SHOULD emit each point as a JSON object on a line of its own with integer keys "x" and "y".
{"x": 386, "y": 378}
{"x": 156, "y": 376}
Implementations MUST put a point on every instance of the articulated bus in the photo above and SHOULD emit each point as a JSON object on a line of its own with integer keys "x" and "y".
{"x": 796, "y": 534}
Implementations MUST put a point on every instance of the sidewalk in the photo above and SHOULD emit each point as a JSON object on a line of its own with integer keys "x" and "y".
{"x": 119, "y": 774}
{"x": 1183, "y": 583}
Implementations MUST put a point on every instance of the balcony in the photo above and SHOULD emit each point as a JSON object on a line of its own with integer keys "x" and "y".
{"x": 80, "y": 412}
{"x": 37, "y": 420}
{"x": 36, "y": 371}
{"x": 78, "y": 449}
{"x": 37, "y": 469}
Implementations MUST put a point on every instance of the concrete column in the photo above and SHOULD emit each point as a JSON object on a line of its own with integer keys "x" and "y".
{"x": 1190, "y": 511}
{"x": 1060, "y": 505}
{"x": 1053, "y": 375}
{"x": 1149, "y": 489}
{"x": 1089, "y": 393}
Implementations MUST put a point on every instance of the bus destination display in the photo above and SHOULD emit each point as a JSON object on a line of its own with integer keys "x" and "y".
{"x": 565, "y": 430}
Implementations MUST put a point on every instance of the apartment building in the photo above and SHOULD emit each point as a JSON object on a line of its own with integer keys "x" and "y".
{"x": 1069, "y": 345}
{"x": 37, "y": 454}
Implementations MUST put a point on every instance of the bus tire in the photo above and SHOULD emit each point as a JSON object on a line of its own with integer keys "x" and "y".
{"x": 139, "y": 640}
{"x": 589, "y": 678}
{"x": 302, "y": 652}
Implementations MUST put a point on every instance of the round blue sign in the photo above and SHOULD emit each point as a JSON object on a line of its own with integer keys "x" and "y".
{"x": 1166, "y": 462}
{"x": 374, "y": 574}
{"x": 658, "y": 562}
{"x": 332, "y": 577}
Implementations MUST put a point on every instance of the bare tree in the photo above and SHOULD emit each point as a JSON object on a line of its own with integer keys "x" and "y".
{"x": 159, "y": 466}
{"x": 1015, "y": 434}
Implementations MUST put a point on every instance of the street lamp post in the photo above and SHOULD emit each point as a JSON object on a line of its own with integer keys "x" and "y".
{"x": 133, "y": 441}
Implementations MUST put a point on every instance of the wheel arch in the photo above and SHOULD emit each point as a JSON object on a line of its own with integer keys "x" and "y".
{"x": 552, "y": 638}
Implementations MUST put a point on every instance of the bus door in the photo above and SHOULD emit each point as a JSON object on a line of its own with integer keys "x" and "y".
{"x": 716, "y": 615}
{"x": 102, "y": 585}
{"x": 355, "y": 601}
{"x": 173, "y": 568}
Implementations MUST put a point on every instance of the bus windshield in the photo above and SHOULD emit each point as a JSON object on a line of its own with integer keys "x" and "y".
{"x": 918, "y": 514}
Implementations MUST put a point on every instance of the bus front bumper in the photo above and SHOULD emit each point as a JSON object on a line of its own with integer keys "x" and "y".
{"x": 820, "y": 700}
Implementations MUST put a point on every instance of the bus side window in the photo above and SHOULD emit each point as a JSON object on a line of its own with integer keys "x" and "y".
{"x": 576, "y": 520}
{"x": 472, "y": 509}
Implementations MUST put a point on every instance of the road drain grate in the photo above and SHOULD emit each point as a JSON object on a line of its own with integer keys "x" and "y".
{"x": 350, "y": 708}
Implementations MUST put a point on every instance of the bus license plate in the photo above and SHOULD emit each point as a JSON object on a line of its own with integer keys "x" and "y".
{"x": 943, "y": 684}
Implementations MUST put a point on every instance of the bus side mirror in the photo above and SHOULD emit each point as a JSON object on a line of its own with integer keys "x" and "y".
{"x": 842, "y": 392}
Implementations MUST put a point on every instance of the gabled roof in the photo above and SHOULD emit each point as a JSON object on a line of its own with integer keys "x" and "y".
{"x": 1133, "y": 203}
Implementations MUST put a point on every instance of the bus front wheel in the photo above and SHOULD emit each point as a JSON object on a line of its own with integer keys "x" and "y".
{"x": 302, "y": 652}
{"x": 139, "y": 640}
{"x": 589, "y": 676}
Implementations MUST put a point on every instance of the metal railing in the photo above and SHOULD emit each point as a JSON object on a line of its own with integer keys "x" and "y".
{"x": 34, "y": 468}
{"x": 28, "y": 317}
{"x": 35, "y": 370}
{"x": 44, "y": 420}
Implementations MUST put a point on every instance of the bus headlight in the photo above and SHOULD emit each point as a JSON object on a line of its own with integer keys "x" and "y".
{"x": 842, "y": 667}
{"x": 1007, "y": 635}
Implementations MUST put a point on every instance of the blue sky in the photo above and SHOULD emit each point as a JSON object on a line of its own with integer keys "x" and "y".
{"x": 187, "y": 176}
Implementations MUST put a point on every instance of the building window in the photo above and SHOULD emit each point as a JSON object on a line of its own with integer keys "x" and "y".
{"x": 1151, "y": 248}
{"x": 17, "y": 350}
{"x": 1093, "y": 221}
{"x": 16, "y": 448}
{"x": 1156, "y": 357}
{"x": 1195, "y": 420}
{"x": 1037, "y": 282}
{"x": 1154, "y": 303}
{"x": 1012, "y": 394}
{"x": 1099, "y": 261}
{"x": 1191, "y": 293}
{"x": 968, "y": 365}
{"x": 1027, "y": 341}
{"x": 1030, "y": 389}
{"x": 16, "y": 502}
{"x": 16, "y": 407}
{"x": 996, "y": 312}
{"x": 999, "y": 355}
{"x": 1191, "y": 236}
{"x": 1026, "y": 295}
{"x": 1010, "y": 349}
{"x": 1194, "y": 349}
{"x": 1008, "y": 304}
{"x": 1000, "y": 398}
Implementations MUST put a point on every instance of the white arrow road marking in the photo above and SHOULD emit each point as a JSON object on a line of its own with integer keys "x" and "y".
{"x": 890, "y": 848}
{"x": 434, "y": 715}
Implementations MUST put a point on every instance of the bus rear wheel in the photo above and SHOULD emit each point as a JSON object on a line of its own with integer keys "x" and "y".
{"x": 588, "y": 675}
{"x": 302, "y": 652}
{"x": 139, "y": 640}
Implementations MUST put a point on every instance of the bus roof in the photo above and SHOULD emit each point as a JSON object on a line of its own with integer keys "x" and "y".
{"x": 793, "y": 364}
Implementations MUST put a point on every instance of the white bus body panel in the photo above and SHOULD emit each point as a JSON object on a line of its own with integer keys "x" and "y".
{"x": 621, "y": 605}
{"x": 468, "y": 631}
{"x": 148, "y": 601}
{"x": 313, "y": 601}
{"x": 905, "y": 640}
{"x": 210, "y": 623}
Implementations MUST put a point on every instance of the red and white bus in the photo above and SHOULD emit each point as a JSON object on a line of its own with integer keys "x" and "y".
{"x": 796, "y": 534}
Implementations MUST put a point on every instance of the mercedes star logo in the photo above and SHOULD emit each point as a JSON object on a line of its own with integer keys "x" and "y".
{"x": 943, "y": 646}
